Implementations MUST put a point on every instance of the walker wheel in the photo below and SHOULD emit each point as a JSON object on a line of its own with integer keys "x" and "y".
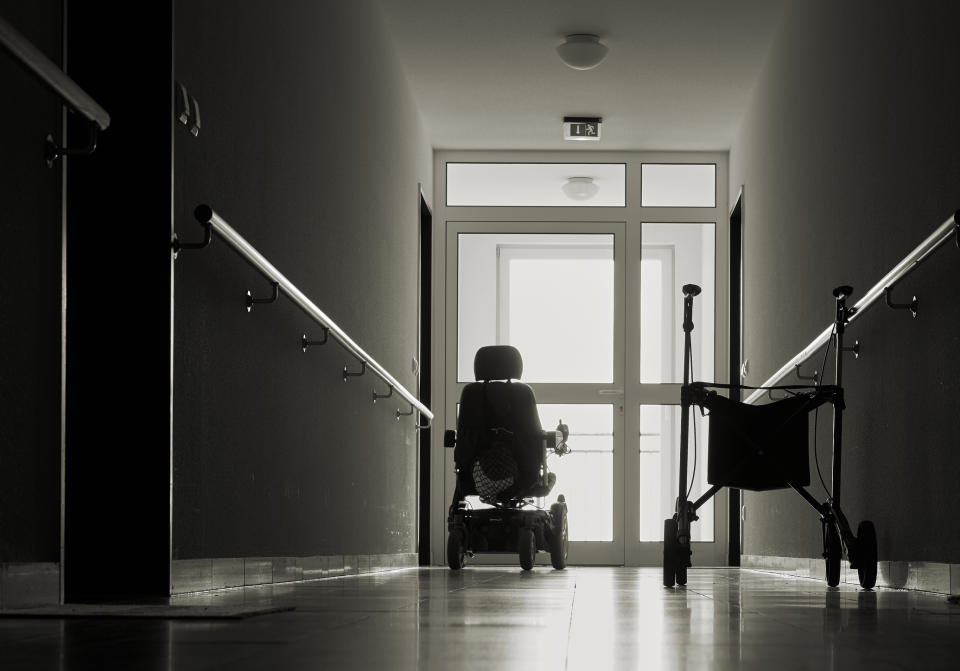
{"x": 670, "y": 546}
{"x": 832, "y": 552}
{"x": 867, "y": 554}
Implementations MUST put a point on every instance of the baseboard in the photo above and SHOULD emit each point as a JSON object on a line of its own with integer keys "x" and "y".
{"x": 26, "y": 584}
{"x": 199, "y": 575}
{"x": 924, "y": 576}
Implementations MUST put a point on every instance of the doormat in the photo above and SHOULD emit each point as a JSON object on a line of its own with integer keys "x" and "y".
{"x": 155, "y": 611}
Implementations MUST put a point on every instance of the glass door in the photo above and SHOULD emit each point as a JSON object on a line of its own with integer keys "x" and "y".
{"x": 555, "y": 291}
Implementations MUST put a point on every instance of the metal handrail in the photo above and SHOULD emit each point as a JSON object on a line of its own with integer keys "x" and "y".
{"x": 948, "y": 228}
{"x": 206, "y": 216}
{"x": 38, "y": 63}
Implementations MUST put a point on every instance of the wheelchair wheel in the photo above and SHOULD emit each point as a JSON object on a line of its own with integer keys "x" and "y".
{"x": 559, "y": 539}
{"x": 456, "y": 550}
{"x": 670, "y": 545}
{"x": 832, "y": 553}
{"x": 867, "y": 554}
{"x": 527, "y": 544}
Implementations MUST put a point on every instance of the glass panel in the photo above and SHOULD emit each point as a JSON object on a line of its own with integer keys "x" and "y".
{"x": 536, "y": 184}
{"x": 660, "y": 470}
{"x": 678, "y": 185}
{"x": 585, "y": 476}
{"x": 550, "y": 296}
{"x": 674, "y": 255}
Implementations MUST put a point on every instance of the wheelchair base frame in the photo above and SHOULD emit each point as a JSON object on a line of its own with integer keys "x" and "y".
{"x": 510, "y": 527}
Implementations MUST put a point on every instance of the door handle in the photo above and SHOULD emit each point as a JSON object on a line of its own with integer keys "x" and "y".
{"x": 610, "y": 392}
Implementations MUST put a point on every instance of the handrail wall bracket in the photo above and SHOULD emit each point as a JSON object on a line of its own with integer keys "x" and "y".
{"x": 52, "y": 151}
{"x": 379, "y": 396}
{"x": 304, "y": 343}
{"x": 176, "y": 245}
{"x": 348, "y": 373}
{"x": 274, "y": 294}
{"x": 913, "y": 305}
{"x": 815, "y": 377}
{"x": 855, "y": 349}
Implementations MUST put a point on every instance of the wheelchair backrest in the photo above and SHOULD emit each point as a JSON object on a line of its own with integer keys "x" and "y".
{"x": 498, "y": 408}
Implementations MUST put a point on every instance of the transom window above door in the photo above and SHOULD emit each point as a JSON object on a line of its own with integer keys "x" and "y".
{"x": 536, "y": 185}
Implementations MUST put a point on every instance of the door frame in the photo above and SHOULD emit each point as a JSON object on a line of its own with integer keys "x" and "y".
{"x": 633, "y": 214}
{"x": 424, "y": 370}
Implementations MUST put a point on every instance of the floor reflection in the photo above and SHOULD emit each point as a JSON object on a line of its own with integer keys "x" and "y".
{"x": 494, "y": 618}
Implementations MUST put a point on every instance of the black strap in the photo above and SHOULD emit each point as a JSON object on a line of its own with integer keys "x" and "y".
{"x": 486, "y": 411}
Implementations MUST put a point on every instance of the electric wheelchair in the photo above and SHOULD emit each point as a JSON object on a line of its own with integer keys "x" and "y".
{"x": 500, "y": 455}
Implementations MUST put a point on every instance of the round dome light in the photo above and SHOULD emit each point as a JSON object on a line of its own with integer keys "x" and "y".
{"x": 582, "y": 51}
{"x": 580, "y": 188}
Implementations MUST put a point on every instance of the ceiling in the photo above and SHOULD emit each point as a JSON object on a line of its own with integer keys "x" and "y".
{"x": 485, "y": 73}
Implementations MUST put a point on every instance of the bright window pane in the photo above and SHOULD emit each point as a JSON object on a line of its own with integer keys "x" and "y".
{"x": 674, "y": 255}
{"x": 678, "y": 185}
{"x": 659, "y": 474}
{"x": 585, "y": 476}
{"x": 533, "y": 184}
{"x": 550, "y": 296}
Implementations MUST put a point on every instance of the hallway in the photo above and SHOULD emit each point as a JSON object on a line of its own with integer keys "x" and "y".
{"x": 171, "y": 422}
{"x": 501, "y": 618}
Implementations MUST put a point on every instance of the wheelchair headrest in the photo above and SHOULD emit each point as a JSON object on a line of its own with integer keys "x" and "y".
{"x": 497, "y": 362}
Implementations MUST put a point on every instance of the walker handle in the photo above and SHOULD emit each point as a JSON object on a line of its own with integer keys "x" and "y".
{"x": 843, "y": 291}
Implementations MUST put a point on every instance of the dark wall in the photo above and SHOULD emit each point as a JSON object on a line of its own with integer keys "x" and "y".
{"x": 849, "y": 156}
{"x": 29, "y": 297}
{"x": 312, "y": 148}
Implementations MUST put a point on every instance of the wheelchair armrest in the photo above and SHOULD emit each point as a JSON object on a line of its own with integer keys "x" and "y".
{"x": 556, "y": 441}
{"x": 449, "y": 438}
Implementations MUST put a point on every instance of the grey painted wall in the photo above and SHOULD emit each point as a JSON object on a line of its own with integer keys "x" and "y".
{"x": 849, "y": 157}
{"x": 29, "y": 298}
{"x": 312, "y": 148}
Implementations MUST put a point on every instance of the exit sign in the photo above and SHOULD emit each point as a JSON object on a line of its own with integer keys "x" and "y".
{"x": 581, "y": 128}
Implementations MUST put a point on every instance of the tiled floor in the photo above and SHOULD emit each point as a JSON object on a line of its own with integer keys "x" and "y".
{"x": 501, "y": 618}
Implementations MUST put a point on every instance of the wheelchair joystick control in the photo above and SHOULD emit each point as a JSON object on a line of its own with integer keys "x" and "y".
{"x": 561, "y": 448}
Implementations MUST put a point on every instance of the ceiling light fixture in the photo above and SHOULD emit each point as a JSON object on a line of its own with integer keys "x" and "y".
{"x": 580, "y": 188}
{"x": 582, "y": 51}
